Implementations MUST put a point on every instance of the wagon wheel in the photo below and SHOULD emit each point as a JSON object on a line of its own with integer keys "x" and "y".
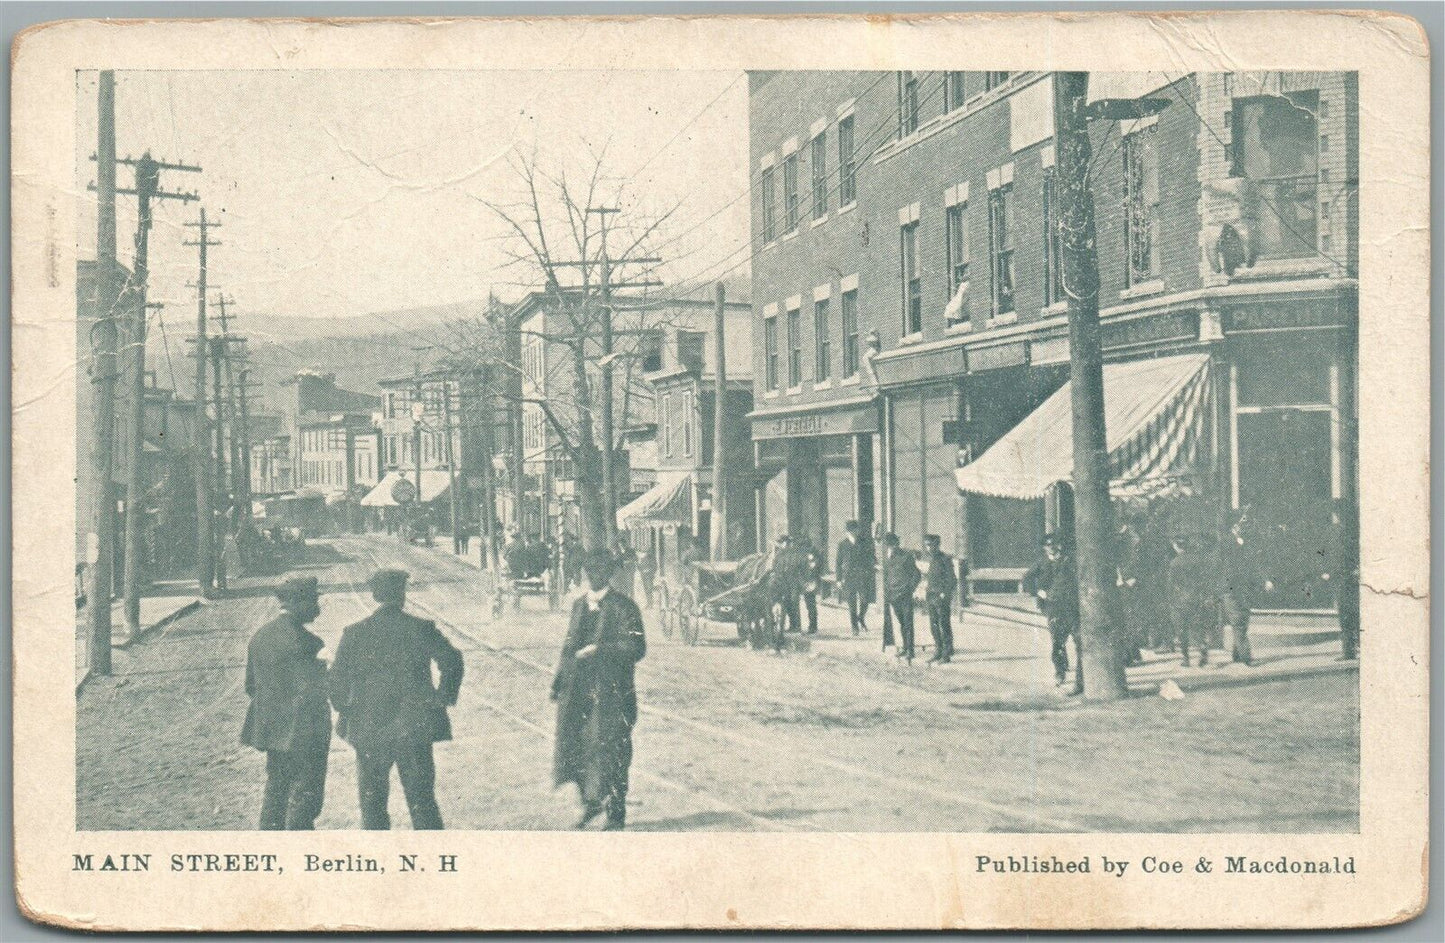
{"x": 688, "y": 623}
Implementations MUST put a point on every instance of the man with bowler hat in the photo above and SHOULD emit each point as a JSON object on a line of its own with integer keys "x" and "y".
{"x": 901, "y": 577}
{"x": 389, "y": 710}
{"x": 288, "y": 718}
{"x": 942, "y": 584}
{"x": 596, "y": 694}
{"x": 853, "y": 573}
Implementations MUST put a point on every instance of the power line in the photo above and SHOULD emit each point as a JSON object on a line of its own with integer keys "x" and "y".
{"x": 716, "y": 99}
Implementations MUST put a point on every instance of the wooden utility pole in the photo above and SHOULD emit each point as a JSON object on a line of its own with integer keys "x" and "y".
{"x": 609, "y": 467}
{"x": 243, "y": 483}
{"x": 233, "y": 443}
{"x": 103, "y": 346}
{"x": 147, "y": 188}
{"x": 223, "y": 471}
{"x": 451, "y": 466}
{"x": 719, "y": 520}
{"x": 201, "y": 447}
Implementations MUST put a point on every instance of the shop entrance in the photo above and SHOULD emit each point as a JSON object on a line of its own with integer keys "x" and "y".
{"x": 1285, "y": 482}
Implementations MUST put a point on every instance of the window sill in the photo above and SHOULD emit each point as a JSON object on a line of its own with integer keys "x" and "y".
{"x": 819, "y": 221}
{"x": 906, "y": 339}
{"x": 1275, "y": 268}
{"x": 790, "y": 234}
{"x": 847, "y": 209}
{"x": 770, "y": 394}
{"x": 1143, "y": 289}
{"x": 824, "y": 385}
{"x": 1055, "y": 309}
{"x": 795, "y": 390}
{"x": 999, "y": 320}
{"x": 850, "y": 381}
{"x": 959, "y": 327}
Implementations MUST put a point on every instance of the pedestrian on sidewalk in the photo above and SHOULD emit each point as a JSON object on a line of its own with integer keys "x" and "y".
{"x": 854, "y": 575}
{"x": 647, "y": 573}
{"x": 785, "y": 585}
{"x": 288, "y": 717}
{"x": 1239, "y": 569}
{"x": 1190, "y": 593}
{"x": 1054, "y": 582}
{"x": 596, "y": 695}
{"x": 1128, "y": 554}
{"x": 812, "y": 572}
{"x": 901, "y": 577}
{"x": 389, "y": 709}
{"x": 942, "y": 584}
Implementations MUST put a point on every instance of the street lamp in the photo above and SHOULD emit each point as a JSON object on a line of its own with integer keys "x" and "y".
{"x": 1101, "y": 666}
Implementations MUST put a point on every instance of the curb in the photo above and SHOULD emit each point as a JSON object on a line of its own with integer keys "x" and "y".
{"x": 185, "y": 610}
{"x": 1244, "y": 680}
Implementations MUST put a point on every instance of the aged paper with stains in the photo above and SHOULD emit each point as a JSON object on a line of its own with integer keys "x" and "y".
{"x": 435, "y": 245}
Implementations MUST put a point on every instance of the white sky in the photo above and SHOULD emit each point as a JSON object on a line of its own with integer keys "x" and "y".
{"x": 343, "y": 193}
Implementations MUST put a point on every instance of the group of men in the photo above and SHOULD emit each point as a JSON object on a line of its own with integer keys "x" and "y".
{"x": 794, "y": 575}
{"x": 380, "y": 685}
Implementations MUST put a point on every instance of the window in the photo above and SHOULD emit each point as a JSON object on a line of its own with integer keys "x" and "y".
{"x": 1276, "y": 145}
{"x": 667, "y": 424}
{"x": 1141, "y": 205}
{"x": 1000, "y": 247}
{"x": 953, "y": 90}
{"x": 907, "y": 103}
{"x": 687, "y": 423}
{"x": 847, "y": 179}
{"x": 795, "y": 347}
{"x": 820, "y": 175}
{"x": 790, "y": 192}
{"x": 822, "y": 341}
{"x": 770, "y": 351}
{"x": 689, "y": 350}
{"x": 850, "y": 332}
{"x": 912, "y": 280}
{"x": 1053, "y": 242}
{"x": 956, "y": 234}
{"x": 994, "y": 79}
{"x": 770, "y": 219}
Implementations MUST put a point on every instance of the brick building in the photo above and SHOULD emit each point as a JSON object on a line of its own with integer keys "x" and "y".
{"x": 912, "y": 328}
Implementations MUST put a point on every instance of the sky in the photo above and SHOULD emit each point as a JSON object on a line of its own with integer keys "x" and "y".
{"x": 343, "y": 193}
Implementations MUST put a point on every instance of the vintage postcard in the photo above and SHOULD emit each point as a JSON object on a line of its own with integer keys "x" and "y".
{"x": 722, "y": 472}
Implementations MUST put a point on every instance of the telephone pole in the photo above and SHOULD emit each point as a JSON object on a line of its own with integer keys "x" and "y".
{"x": 1100, "y": 653}
{"x": 103, "y": 344}
{"x": 451, "y": 465}
{"x": 719, "y": 520}
{"x": 232, "y": 405}
{"x": 205, "y": 546}
{"x": 147, "y": 188}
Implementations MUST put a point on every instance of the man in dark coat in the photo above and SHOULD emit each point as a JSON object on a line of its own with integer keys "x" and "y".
{"x": 942, "y": 584}
{"x": 785, "y": 585}
{"x": 596, "y": 694}
{"x": 1128, "y": 556}
{"x": 389, "y": 710}
{"x": 1190, "y": 596}
{"x": 1239, "y": 571}
{"x": 901, "y": 577}
{"x": 811, "y": 566}
{"x": 853, "y": 574}
{"x": 1054, "y": 582}
{"x": 288, "y": 717}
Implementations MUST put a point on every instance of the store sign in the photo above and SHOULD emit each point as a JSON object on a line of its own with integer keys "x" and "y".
{"x": 1286, "y": 314}
{"x": 837, "y": 422}
{"x": 998, "y": 356}
{"x": 1150, "y": 330}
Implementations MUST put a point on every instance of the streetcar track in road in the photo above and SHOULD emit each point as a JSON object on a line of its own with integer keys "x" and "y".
{"x": 1009, "y": 813}
{"x": 547, "y": 735}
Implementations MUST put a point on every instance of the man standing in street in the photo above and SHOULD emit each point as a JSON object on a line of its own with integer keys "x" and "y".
{"x": 901, "y": 577}
{"x": 811, "y": 566}
{"x": 288, "y": 718}
{"x": 389, "y": 709}
{"x": 1240, "y": 571}
{"x": 784, "y": 586}
{"x": 1054, "y": 583}
{"x": 853, "y": 572}
{"x": 596, "y": 695}
{"x": 942, "y": 584}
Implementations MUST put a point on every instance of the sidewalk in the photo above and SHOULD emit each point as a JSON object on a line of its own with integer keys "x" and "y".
{"x": 1014, "y": 648}
{"x": 155, "y": 612}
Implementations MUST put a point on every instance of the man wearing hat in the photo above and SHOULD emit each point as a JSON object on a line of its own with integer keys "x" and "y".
{"x": 900, "y": 578}
{"x": 596, "y": 695}
{"x": 288, "y": 718}
{"x": 388, "y": 708}
{"x": 1054, "y": 583}
{"x": 853, "y": 573}
{"x": 942, "y": 584}
{"x": 785, "y": 585}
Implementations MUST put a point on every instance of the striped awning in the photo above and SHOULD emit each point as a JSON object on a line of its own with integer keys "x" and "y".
{"x": 434, "y": 484}
{"x": 667, "y": 502}
{"x": 1155, "y": 412}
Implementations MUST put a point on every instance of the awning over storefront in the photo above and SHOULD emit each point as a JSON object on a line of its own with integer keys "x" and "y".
{"x": 667, "y": 502}
{"x": 434, "y": 484}
{"x": 1154, "y": 415}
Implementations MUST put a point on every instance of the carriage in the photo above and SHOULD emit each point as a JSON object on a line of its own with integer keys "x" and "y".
{"x": 729, "y": 592}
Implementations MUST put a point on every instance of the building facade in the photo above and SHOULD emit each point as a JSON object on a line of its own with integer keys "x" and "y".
{"x": 912, "y": 314}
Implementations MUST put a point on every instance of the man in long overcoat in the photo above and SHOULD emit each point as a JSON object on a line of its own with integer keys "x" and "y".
{"x": 853, "y": 567}
{"x": 389, "y": 709}
{"x": 596, "y": 695}
{"x": 900, "y": 578}
{"x": 288, "y": 717}
{"x": 942, "y": 584}
{"x": 1054, "y": 582}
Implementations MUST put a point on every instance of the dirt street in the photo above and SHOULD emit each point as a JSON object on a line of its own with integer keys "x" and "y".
{"x": 729, "y": 739}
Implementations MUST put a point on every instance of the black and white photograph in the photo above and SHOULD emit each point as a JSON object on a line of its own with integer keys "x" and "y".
{"x": 728, "y": 449}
